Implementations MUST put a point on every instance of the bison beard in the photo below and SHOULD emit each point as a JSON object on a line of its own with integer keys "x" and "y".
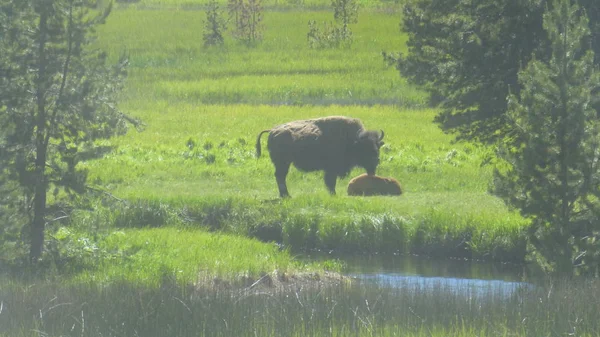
{"x": 334, "y": 145}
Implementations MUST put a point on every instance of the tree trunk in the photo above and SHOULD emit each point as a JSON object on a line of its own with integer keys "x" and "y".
{"x": 564, "y": 263}
{"x": 39, "y": 199}
{"x": 39, "y": 219}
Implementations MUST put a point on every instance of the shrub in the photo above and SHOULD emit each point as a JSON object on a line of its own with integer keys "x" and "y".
{"x": 214, "y": 26}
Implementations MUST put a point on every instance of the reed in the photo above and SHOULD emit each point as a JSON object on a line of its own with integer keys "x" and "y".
{"x": 125, "y": 309}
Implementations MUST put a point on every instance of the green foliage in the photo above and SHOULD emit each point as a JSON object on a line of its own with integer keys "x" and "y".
{"x": 327, "y": 37}
{"x": 345, "y": 12}
{"x": 467, "y": 55}
{"x": 247, "y": 16}
{"x": 553, "y": 153}
{"x": 214, "y": 26}
{"x": 142, "y": 213}
{"x": 73, "y": 251}
{"x": 59, "y": 97}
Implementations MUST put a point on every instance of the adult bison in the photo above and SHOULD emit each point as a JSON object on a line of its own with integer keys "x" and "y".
{"x": 332, "y": 144}
{"x": 368, "y": 185}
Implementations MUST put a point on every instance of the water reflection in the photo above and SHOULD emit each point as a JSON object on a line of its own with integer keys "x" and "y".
{"x": 470, "y": 287}
{"x": 427, "y": 267}
{"x": 434, "y": 274}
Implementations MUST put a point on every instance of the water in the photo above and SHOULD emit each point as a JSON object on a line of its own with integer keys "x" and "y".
{"x": 470, "y": 277}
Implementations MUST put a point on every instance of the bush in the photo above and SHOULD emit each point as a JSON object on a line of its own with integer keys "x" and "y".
{"x": 143, "y": 213}
{"x": 215, "y": 25}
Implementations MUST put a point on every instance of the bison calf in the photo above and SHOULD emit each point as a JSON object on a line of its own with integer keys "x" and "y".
{"x": 334, "y": 145}
{"x": 373, "y": 185}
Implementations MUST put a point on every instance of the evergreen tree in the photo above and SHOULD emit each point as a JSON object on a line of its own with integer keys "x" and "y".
{"x": 57, "y": 96}
{"x": 214, "y": 26}
{"x": 553, "y": 149}
{"x": 468, "y": 53}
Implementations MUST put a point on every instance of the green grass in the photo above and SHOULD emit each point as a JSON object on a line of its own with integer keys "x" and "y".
{"x": 189, "y": 255}
{"x": 416, "y": 153}
{"x": 148, "y": 256}
{"x": 203, "y": 108}
{"x": 51, "y": 309}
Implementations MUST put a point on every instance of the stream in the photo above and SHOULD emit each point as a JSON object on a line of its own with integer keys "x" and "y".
{"x": 430, "y": 274}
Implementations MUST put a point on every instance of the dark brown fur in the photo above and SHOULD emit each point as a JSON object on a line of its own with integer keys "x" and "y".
{"x": 334, "y": 145}
{"x": 367, "y": 185}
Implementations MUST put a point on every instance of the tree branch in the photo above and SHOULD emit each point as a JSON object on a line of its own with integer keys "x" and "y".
{"x": 95, "y": 189}
{"x": 65, "y": 70}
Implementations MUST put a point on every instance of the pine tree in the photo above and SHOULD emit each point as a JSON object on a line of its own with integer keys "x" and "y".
{"x": 467, "y": 54}
{"x": 553, "y": 151}
{"x": 57, "y": 96}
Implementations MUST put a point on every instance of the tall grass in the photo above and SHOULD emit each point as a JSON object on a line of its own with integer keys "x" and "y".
{"x": 561, "y": 309}
{"x": 330, "y": 224}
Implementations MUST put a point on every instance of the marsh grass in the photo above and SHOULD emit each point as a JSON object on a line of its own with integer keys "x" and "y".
{"x": 329, "y": 224}
{"x": 125, "y": 309}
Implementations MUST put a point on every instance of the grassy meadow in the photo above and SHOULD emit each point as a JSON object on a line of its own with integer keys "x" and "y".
{"x": 204, "y": 106}
{"x": 192, "y": 219}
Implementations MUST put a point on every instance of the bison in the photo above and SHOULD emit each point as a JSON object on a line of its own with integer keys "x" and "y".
{"x": 368, "y": 185}
{"x": 333, "y": 144}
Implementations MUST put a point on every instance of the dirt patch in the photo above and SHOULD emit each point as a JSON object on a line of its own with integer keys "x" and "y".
{"x": 274, "y": 281}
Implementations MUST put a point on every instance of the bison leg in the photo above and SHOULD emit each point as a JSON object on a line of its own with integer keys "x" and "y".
{"x": 330, "y": 180}
{"x": 281, "y": 172}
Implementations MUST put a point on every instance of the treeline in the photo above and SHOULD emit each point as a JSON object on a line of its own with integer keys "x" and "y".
{"x": 523, "y": 76}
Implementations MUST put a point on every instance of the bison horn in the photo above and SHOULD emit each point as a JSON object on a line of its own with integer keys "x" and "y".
{"x": 382, "y": 134}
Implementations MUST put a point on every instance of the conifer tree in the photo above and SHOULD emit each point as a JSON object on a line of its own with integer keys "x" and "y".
{"x": 553, "y": 150}
{"x": 57, "y": 97}
{"x": 467, "y": 54}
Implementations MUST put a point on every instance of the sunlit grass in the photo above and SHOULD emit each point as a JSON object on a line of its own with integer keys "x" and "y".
{"x": 204, "y": 107}
{"x": 145, "y": 256}
{"x": 210, "y": 150}
{"x": 169, "y": 61}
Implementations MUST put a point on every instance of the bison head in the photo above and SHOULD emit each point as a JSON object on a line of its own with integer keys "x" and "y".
{"x": 366, "y": 150}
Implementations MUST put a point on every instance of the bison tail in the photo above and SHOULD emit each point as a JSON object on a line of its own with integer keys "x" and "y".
{"x": 258, "y": 143}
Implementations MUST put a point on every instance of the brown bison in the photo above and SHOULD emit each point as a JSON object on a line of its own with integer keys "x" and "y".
{"x": 331, "y": 144}
{"x": 373, "y": 185}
